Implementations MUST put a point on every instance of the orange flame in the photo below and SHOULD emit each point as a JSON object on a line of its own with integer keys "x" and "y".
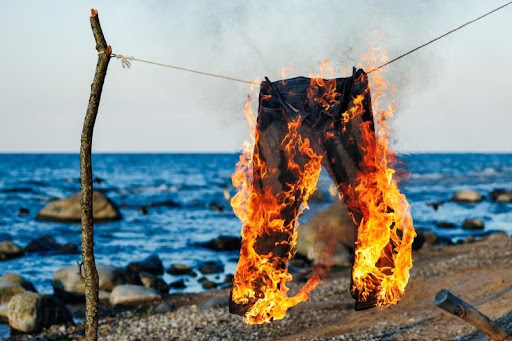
{"x": 385, "y": 233}
{"x": 383, "y": 254}
{"x": 261, "y": 279}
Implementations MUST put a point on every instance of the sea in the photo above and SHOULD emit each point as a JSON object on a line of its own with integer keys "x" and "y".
{"x": 195, "y": 183}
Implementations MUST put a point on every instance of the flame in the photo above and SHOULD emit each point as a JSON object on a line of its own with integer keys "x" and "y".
{"x": 383, "y": 254}
{"x": 385, "y": 233}
{"x": 261, "y": 279}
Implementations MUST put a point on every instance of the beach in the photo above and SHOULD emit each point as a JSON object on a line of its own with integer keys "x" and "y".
{"x": 479, "y": 272}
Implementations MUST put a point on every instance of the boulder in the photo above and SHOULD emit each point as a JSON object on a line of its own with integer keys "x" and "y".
{"x": 214, "y": 302}
{"x": 30, "y": 312}
{"x": 179, "y": 269}
{"x": 418, "y": 241}
{"x": 14, "y": 278}
{"x": 4, "y": 313}
{"x": 129, "y": 294}
{"x": 331, "y": 229}
{"x": 473, "y": 224}
{"x": 223, "y": 243}
{"x": 445, "y": 225}
{"x": 8, "y": 290}
{"x": 154, "y": 282}
{"x": 207, "y": 284}
{"x": 317, "y": 196}
{"x": 9, "y": 250}
{"x": 152, "y": 264}
{"x": 68, "y": 209}
{"x": 46, "y": 243}
{"x": 23, "y": 211}
{"x": 430, "y": 238}
{"x": 179, "y": 284}
{"x": 68, "y": 286}
{"x": 467, "y": 196}
{"x": 164, "y": 308}
{"x": 501, "y": 195}
{"x": 211, "y": 267}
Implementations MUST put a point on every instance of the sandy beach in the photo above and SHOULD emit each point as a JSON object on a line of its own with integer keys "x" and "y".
{"x": 479, "y": 272}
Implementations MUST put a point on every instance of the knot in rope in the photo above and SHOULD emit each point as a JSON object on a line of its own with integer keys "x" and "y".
{"x": 126, "y": 62}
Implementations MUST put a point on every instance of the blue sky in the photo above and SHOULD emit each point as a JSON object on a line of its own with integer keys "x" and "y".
{"x": 454, "y": 95}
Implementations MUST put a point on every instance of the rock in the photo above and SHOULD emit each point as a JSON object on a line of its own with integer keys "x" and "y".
{"x": 4, "y": 313}
{"x": 224, "y": 243}
{"x": 179, "y": 284}
{"x": 467, "y": 196}
{"x": 8, "y": 290}
{"x": 469, "y": 239}
{"x": 473, "y": 224}
{"x": 104, "y": 296}
{"x": 143, "y": 209}
{"x": 152, "y": 264}
{"x": 332, "y": 225}
{"x": 207, "y": 284}
{"x": 317, "y": 196}
{"x": 211, "y": 267}
{"x": 333, "y": 191}
{"x": 154, "y": 282}
{"x": 229, "y": 278}
{"x": 179, "y": 269}
{"x": 430, "y": 238}
{"x": 164, "y": 308}
{"x": 214, "y": 302}
{"x": 499, "y": 236}
{"x": 504, "y": 198}
{"x": 68, "y": 286}
{"x": 23, "y": 211}
{"x": 30, "y": 312}
{"x": 14, "y": 278}
{"x": 216, "y": 207}
{"x": 445, "y": 225}
{"x": 435, "y": 204}
{"x": 46, "y": 243}
{"x": 68, "y": 209}
{"x": 419, "y": 240}
{"x": 129, "y": 294}
{"x": 9, "y": 250}
{"x": 501, "y": 195}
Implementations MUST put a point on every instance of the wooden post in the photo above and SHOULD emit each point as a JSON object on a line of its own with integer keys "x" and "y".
{"x": 452, "y": 304}
{"x": 91, "y": 274}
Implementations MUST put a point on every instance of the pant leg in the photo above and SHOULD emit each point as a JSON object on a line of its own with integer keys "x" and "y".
{"x": 346, "y": 143}
{"x": 284, "y": 173}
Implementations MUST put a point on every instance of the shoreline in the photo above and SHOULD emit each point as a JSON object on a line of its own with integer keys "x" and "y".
{"x": 479, "y": 272}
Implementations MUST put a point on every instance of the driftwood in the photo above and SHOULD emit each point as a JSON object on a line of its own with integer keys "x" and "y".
{"x": 89, "y": 266}
{"x": 452, "y": 304}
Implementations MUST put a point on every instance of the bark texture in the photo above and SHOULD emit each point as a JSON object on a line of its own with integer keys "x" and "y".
{"x": 89, "y": 265}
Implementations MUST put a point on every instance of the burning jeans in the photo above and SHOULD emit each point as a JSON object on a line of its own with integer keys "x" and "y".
{"x": 302, "y": 124}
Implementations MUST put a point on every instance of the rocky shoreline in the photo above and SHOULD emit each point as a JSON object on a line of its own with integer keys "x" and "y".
{"x": 138, "y": 291}
{"x": 480, "y": 272}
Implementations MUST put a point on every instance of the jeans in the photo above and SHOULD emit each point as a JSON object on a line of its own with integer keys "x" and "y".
{"x": 303, "y": 124}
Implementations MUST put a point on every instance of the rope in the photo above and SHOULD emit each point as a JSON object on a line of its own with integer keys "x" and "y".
{"x": 126, "y": 61}
{"x": 440, "y": 37}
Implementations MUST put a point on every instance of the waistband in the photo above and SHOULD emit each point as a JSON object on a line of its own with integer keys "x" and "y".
{"x": 303, "y": 96}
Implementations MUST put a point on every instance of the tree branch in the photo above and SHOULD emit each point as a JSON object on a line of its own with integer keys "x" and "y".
{"x": 89, "y": 265}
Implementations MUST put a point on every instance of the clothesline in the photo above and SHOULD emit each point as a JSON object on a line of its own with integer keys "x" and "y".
{"x": 126, "y": 61}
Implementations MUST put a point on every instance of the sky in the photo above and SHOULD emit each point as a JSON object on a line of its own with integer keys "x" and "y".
{"x": 453, "y": 96}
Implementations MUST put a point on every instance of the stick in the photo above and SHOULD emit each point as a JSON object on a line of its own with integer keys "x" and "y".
{"x": 91, "y": 274}
{"x": 452, "y": 304}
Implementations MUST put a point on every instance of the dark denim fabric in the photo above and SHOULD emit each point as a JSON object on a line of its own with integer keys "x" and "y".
{"x": 337, "y": 141}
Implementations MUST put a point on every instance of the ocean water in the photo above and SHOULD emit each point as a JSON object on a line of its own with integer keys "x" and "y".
{"x": 194, "y": 182}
